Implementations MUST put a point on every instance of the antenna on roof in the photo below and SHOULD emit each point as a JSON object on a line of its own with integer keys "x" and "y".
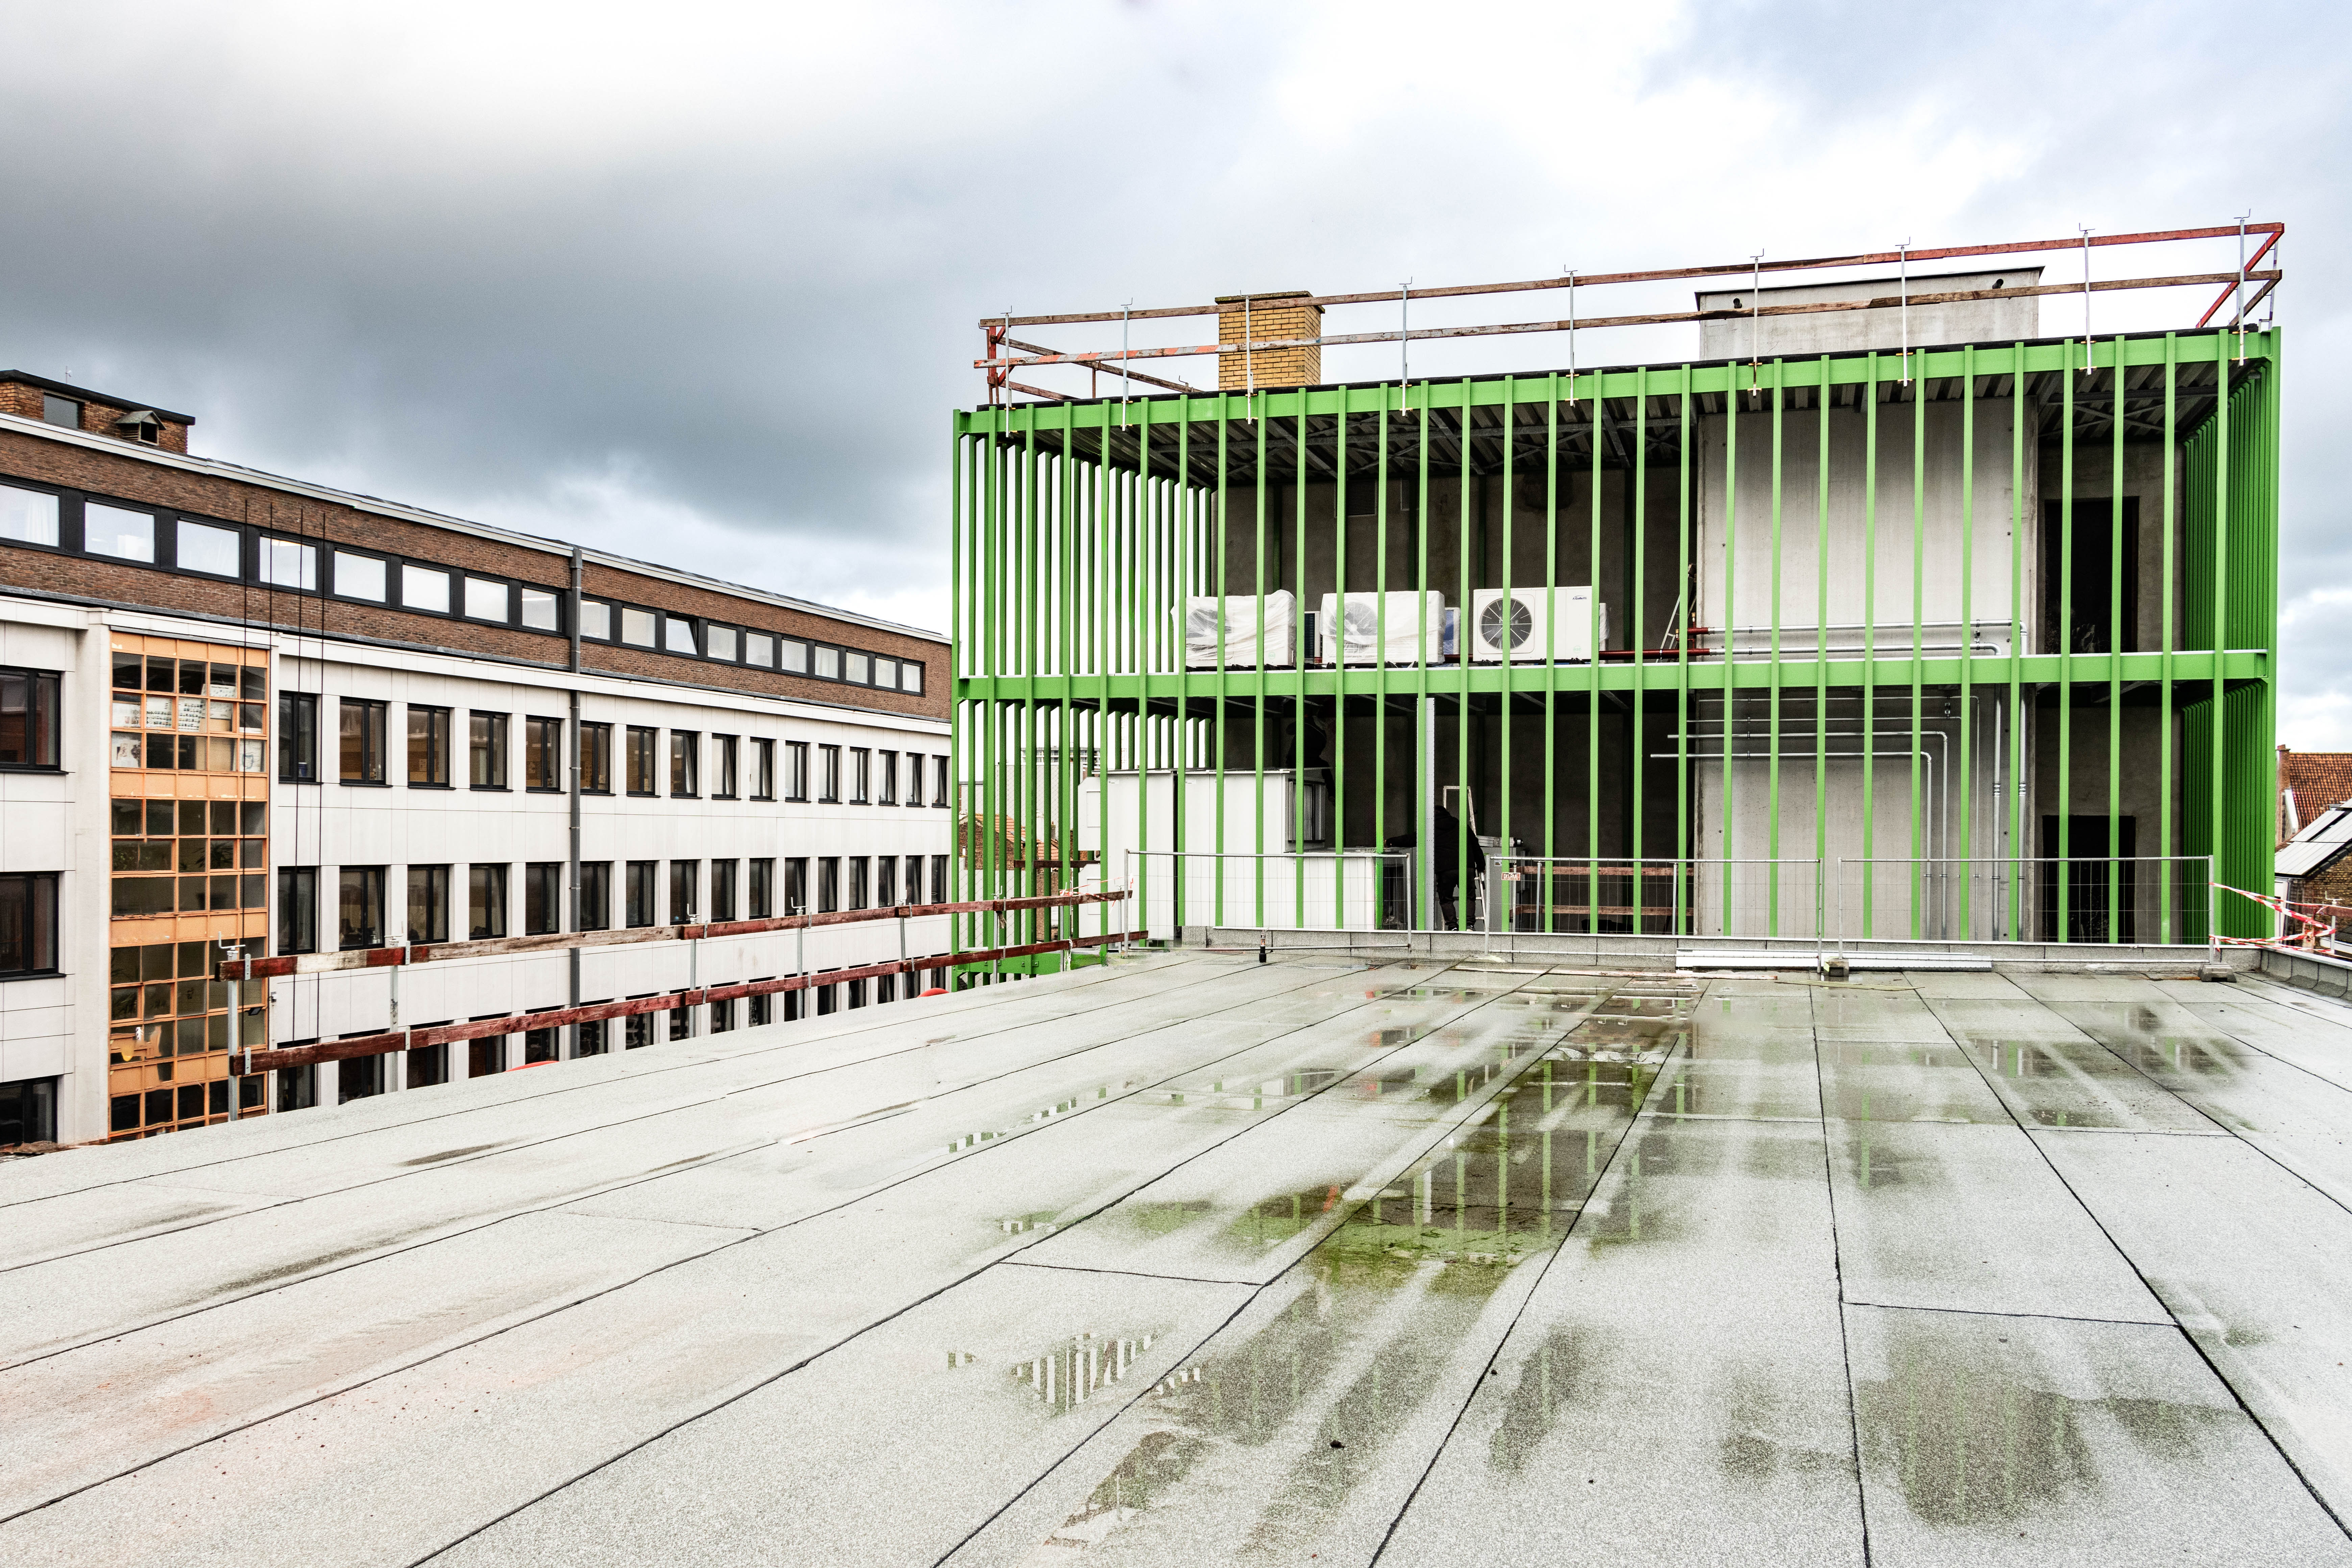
{"x": 1572, "y": 333}
{"x": 1755, "y": 311}
{"x": 1902, "y": 283}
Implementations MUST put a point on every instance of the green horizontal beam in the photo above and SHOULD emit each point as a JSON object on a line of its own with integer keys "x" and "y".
{"x": 2188, "y": 347}
{"x": 2088, "y": 670}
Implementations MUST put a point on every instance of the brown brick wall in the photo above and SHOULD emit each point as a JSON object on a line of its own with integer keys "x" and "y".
{"x": 24, "y": 399}
{"x": 130, "y": 478}
{"x": 1269, "y": 316}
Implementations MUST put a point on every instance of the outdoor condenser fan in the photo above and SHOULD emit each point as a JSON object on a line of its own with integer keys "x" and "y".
{"x": 1506, "y": 624}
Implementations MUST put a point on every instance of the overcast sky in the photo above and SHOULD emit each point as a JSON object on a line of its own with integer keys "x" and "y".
{"x": 699, "y": 282}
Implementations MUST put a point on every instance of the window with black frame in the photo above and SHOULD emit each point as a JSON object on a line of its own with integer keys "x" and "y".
{"x": 828, "y": 884}
{"x": 595, "y": 759}
{"x": 685, "y": 764}
{"x": 486, "y": 751}
{"x": 428, "y": 747}
{"x": 763, "y": 770}
{"x": 886, "y": 790}
{"x": 645, "y": 760}
{"x": 595, "y": 895}
{"x": 28, "y": 923}
{"x": 685, "y": 880}
{"x": 796, "y": 774}
{"x": 861, "y": 775}
{"x": 298, "y": 737}
{"x": 358, "y": 907}
{"x": 29, "y": 718}
{"x": 297, "y": 909}
{"x": 829, "y": 773}
{"x": 543, "y": 753}
{"x": 485, "y": 902}
{"x": 542, "y": 898}
{"x": 428, "y": 903}
{"x": 761, "y": 902}
{"x": 722, "y": 889}
{"x": 723, "y": 749}
{"x": 638, "y": 895}
{"x": 361, "y": 725}
{"x": 796, "y": 885}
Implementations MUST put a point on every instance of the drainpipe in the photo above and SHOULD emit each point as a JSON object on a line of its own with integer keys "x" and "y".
{"x": 571, "y": 859}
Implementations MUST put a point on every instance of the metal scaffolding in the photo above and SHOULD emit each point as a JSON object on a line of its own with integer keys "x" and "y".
{"x": 1258, "y": 624}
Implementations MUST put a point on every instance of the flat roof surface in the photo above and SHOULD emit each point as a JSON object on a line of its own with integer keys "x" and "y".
{"x": 1189, "y": 1259}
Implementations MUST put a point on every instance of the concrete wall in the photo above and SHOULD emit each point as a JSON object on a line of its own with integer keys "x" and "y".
{"x": 1872, "y": 552}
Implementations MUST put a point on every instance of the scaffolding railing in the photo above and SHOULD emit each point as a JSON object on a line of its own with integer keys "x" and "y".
{"x": 2117, "y": 900}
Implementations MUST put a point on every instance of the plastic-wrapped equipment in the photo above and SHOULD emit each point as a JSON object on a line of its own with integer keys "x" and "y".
{"x": 1233, "y": 624}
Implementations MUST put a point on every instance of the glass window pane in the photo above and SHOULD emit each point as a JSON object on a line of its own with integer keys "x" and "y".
{"x": 795, "y": 657}
{"x": 595, "y": 619}
{"x": 111, "y": 531}
{"x": 722, "y": 640}
{"x": 359, "y": 576}
{"x": 679, "y": 635}
{"x": 828, "y": 663}
{"x": 422, "y": 588}
{"x": 886, "y": 672}
{"x": 288, "y": 563}
{"x": 638, "y": 627}
{"x": 911, "y": 678}
{"x": 858, "y": 669}
{"x": 485, "y": 601}
{"x": 28, "y": 516}
{"x": 538, "y": 609}
{"x": 759, "y": 649}
{"x": 204, "y": 548}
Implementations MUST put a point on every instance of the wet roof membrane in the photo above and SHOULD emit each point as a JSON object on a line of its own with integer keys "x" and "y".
{"x": 1189, "y": 1259}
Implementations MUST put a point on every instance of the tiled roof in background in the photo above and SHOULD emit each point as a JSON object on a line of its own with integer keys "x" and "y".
{"x": 2317, "y": 780}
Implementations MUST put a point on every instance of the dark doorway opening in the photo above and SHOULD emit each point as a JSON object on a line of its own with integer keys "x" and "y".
{"x": 2090, "y": 624}
{"x": 2100, "y": 895}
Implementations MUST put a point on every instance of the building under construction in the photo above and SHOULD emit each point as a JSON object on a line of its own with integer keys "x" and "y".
{"x": 1883, "y": 617}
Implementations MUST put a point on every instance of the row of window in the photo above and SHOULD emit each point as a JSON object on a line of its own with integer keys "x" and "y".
{"x": 648, "y": 896}
{"x": 870, "y": 777}
{"x": 171, "y": 540}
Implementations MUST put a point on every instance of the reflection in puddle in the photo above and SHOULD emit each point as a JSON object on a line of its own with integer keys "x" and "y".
{"x": 1975, "y": 1439}
{"x": 1042, "y": 1115}
{"x": 1073, "y": 1372}
{"x": 1253, "y": 1453}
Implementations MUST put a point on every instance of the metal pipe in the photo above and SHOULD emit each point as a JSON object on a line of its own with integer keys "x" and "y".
{"x": 572, "y": 861}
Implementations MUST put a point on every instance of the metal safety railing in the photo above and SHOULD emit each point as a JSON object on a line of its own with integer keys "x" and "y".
{"x": 1758, "y": 898}
{"x": 2118, "y": 900}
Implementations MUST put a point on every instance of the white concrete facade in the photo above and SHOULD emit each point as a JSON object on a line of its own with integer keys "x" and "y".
{"x": 56, "y": 1025}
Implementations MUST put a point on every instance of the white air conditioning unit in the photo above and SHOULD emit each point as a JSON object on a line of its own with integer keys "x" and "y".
{"x": 1512, "y": 625}
{"x": 1383, "y": 628}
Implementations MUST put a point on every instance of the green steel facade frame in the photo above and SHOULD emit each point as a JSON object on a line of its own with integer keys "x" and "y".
{"x": 1081, "y": 529}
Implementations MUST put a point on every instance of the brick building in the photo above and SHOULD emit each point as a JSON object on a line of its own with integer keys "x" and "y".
{"x": 325, "y": 721}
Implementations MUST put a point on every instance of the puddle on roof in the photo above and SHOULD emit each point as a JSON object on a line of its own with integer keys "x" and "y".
{"x": 1072, "y": 1102}
{"x": 2080, "y": 1083}
{"x": 1971, "y": 1436}
{"x": 1069, "y": 1372}
{"x": 1254, "y": 1451}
